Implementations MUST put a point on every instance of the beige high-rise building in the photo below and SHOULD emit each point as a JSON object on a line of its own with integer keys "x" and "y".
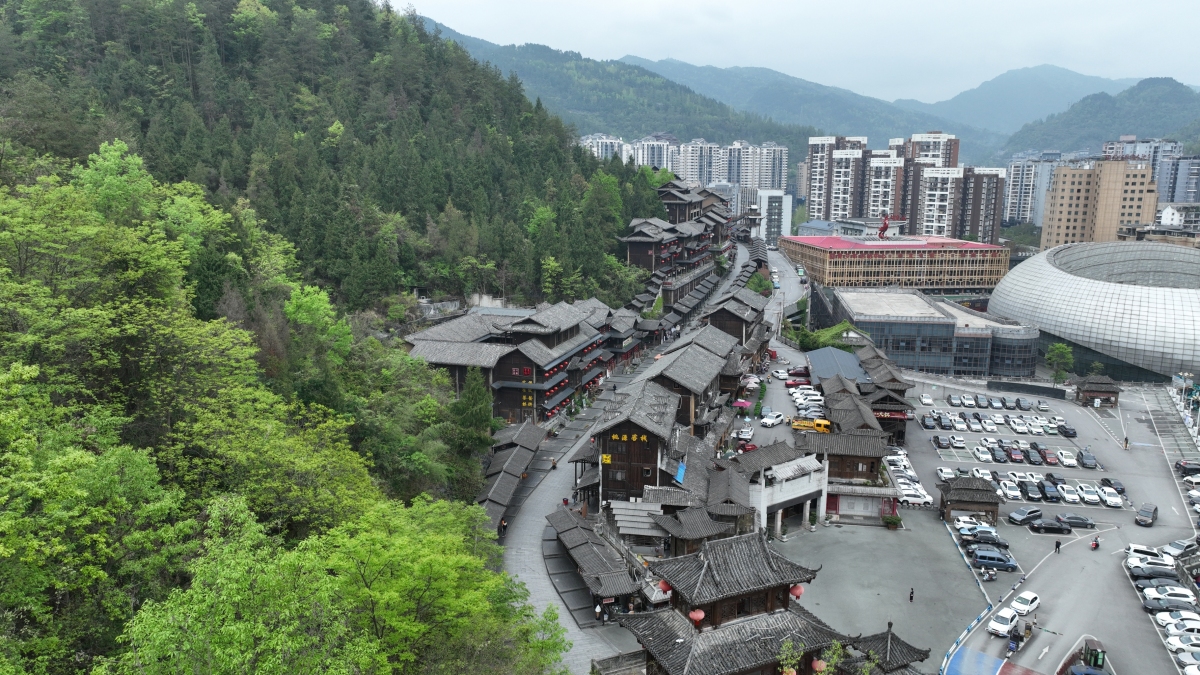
{"x": 1090, "y": 201}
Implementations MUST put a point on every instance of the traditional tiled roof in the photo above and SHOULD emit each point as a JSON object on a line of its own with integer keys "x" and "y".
{"x": 646, "y": 404}
{"x": 598, "y": 313}
{"x": 1098, "y": 383}
{"x": 778, "y": 452}
{"x": 892, "y": 652}
{"x": 439, "y": 353}
{"x": 869, "y": 352}
{"x": 637, "y": 518}
{"x": 969, "y": 489}
{"x": 711, "y": 338}
{"x": 548, "y": 321}
{"x": 514, "y": 461}
{"x": 466, "y": 328}
{"x": 853, "y": 443}
{"x": 499, "y": 488}
{"x": 886, "y": 399}
{"x": 726, "y": 486}
{"x": 665, "y": 495}
{"x": 829, "y": 361}
{"x": 691, "y": 523}
{"x": 862, "y": 490}
{"x": 527, "y": 434}
{"x": 542, "y": 355}
{"x": 856, "y": 416}
{"x": 734, "y": 647}
{"x": 838, "y": 383}
{"x": 602, "y": 568}
{"x": 693, "y": 368}
{"x": 886, "y": 374}
{"x": 724, "y": 568}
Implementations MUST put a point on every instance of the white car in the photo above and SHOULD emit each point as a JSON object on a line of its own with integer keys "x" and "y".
{"x": 1168, "y": 618}
{"x": 1184, "y": 643}
{"x": 1067, "y": 458}
{"x": 968, "y": 401}
{"x": 801, "y": 387}
{"x": 980, "y": 472}
{"x": 965, "y": 521}
{"x": 1027, "y": 602}
{"x": 1192, "y": 481}
{"x": 772, "y": 420}
{"x": 1004, "y": 620}
{"x": 1110, "y": 498}
{"x": 1170, "y": 593}
{"x": 1069, "y": 494}
{"x": 779, "y": 374}
{"x": 746, "y": 433}
{"x": 1040, "y": 421}
{"x": 1022, "y": 444}
{"x": 988, "y": 441}
{"x": 1018, "y": 476}
{"x": 914, "y": 497}
{"x": 945, "y": 473}
{"x": 1010, "y": 490}
{"x": 1149, "y": 561}
{"x": 975, "y": 427}
{"x": 1035, "y": 430}
{"x": 1055, "y": 421}
{"x": 988, "y": 426}
{"x": 960, "y": 425}
{"x": 1088, "y": 493}
{"x": 958, "y": 442}
{"x": 1184, "y": 628}
{"x": 1035, "y": 476}
{"x": 998, "y": 419}
{"x": 926, "y": 399}
{"x": 1019, "y": 427}
{"x": 982, "y": 454}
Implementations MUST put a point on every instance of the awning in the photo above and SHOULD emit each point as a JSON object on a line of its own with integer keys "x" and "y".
{"x": 558, "y": 398}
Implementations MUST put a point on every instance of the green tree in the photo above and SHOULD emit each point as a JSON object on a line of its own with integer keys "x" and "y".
{"x": 1060, "y": 359}
{"x": 758, "y": 283}
{"x": 1097, "y": 368}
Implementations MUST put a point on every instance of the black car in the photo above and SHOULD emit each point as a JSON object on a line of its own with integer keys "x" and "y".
{"x": 1143, "y": 584}
{"x": 946, "y": 423}
{"x": 1009, "y": 402}
{"x": 972, "y": 548}
{"x": 1049, "y": 491}
{"x": 1187, "y": 467}
{"x": 1114, "y": 484}
{"x": 1067, "y": 431}
{"x": 996, "y": 477}
{"x": 963, "y": 472}
{"x": 1041, "y": 525}
{"x": 942, "y": 442}
{"x": 1075, "y": 520}
{"x": 999, "y": 456}
{"x": 1006, "y": 443}
{"x": 1156, "y": 605}
{"x": 1024, "y": 404}
{"x": 1037, "y": 445}
{"x": 927, "y": 422}
{"x": 954, "y": 400}
{"x": 1056, "y": 479}
{"x": 1029, "y": 490}
{"x": 1146, "y": 515}
{"x": 989, "y": 538}
{"x": 977, "y": 417}
{"x": 1025, "y": 514}
{"x": 1086, "y": 459}
{"x": 1033, "y": 457}
{"x": 1150, "y": 572}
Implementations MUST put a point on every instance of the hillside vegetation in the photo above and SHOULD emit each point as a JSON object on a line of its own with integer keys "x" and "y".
{"x": 1153, "y": 107}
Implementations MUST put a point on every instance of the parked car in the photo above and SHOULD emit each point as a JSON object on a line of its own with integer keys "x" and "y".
{"x": 960, "y": 522}
{"x": 945, "y": 473}
{"x": 968, "y": 401}
{"x": 1109, "y": 497}
{"x": 1041, "y": 525}
{"x": 1075, "y": 520}
{"x": 746, "y": 433}
{"x": 1146, "y": 515}
{"x": 1087, "y": 460}
{"x": 1024, "y": 515}
{"x": 1043, "y": 406}
{"x": 994, "y": 559}
{"x": 999, "y": 456}
{"x": 792, "y": 384}
{"x": 945, "y": 423}
{"x": 1030, "y": 491}
{"x": 928, "y": 422}
{"x": 1151, "y": 572}
{"x": 981, "y": 454}
{"x": 779, "y": 374}
{"x": 1033, "y": 457}
{"x": 1168, "y": 618}
{"x": 913, "y": 497}
{"x": 1009, "y": 490}
{"x": 799, "y": 371}
{"x": 926, "y": 399}
{"x": 1015, "y": 454}
{"x": 773, "y": 419}
{"x": 1067, "y": 458}
{"x": 1173, "y": 592}
{"x": 1114, "y": 484}
{"x": 972, "y": 531}
{"x": 995, "y": 404}
{"x": 1184, "y": 628}
{"x": 1143, "y": 584}
{"x": 990, "y": 539}
{"x": 954, "y": 400}
{"x": 958, "y": 442}
{"x": 1049, "y": 491}
{"x": 1067, "y": 431}
{"x": 1180, "y": 548}
{"x": 1187, "y": 467}
{"x": 1088, "y": 494}
{"x": 1158, "y": 605}
{"x": 1068, "y": 493}
{"x": 1184, "y": 643}
{"x": 975, "y": 427}
{"x": 1048, "y": 456}
{"x": 988, "y": 426}
{"x": 1024, "y": 403}
{"x": 941, "y": 442}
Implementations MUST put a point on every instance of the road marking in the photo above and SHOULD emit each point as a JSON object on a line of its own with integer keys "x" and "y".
{"x": 1170, "y": 468}
{"x": 1044, "y": 650}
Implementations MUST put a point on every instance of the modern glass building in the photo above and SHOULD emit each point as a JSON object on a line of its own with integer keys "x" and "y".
{"x": 1133, "y": 306}
{"x": 931, "y": 335}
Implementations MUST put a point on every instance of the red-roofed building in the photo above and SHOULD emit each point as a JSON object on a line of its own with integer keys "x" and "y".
{"x": 928, "y": 263}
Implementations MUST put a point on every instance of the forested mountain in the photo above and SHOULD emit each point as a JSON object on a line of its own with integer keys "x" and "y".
{"x": 1157, "y": 106}
{"x": 1008, "y": 101}
{"x": 626, "y": 100}
{"x": 792, "y": 100}
{"x": 208, "y": 212}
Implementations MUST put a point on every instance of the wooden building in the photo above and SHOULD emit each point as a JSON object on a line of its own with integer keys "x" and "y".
{"x": 1089, "y": 389}
{"x": 969, "y": 496}
{"x": 632, "y": 433}
{"x": 741, "y": 314}
{"x": 693, "y": 374}
{"x": 852, "y": 455}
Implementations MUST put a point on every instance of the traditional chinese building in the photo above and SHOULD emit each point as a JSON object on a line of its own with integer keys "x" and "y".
{"x": 692, "y": 373}
{"x": 630, "y": 436}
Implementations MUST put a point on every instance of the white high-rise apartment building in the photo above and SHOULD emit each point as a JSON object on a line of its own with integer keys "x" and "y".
{"x": 941, "y": 149}
{"x": 1025, "y": 190}
{"x": 773, "y": 166}
{"x": 1153, "y": 150}
{"x": 885, "y": 187}
{"x": 775, "y": 207}
{"x": 757, "y": 166}
{"x": 602, "y": 146}
{"x": 820, "y": 170}
{"x": 845, "y": 195}
{"x": 650, "y": 151}
{"x": 937, "y": 200}
{"x": 702, "y": 162}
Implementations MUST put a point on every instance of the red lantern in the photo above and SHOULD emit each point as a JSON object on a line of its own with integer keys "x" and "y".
{"x": 818, "y": 666}
{"x": 797, "y": 591}
{"x": 664, "y": 586}
{"x": 696, "y": 615}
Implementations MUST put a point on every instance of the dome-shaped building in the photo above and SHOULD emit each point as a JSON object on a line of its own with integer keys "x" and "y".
{"x": 1133, "y": 306}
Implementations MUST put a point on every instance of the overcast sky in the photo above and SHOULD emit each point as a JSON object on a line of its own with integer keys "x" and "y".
{"x": 928, "y": 50}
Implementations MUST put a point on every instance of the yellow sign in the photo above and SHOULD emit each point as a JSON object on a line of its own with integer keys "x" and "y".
{"x": 606, "y": 459}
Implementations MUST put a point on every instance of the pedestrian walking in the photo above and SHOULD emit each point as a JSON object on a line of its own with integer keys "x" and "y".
{"x": 503, "y": 526}
{"x": 1057, "y": 546}
{"x": 910, "y": 594}
{"x": 1126, "y": 442}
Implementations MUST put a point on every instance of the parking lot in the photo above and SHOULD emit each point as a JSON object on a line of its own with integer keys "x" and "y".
{"x": 1083, "y": 592}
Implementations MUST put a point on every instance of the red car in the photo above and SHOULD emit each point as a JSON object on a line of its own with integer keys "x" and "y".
{"x": 799, "y": 372}
{"x": 746, "y": 447}
{"x": 1050, "y": 458}
{"x": 1014, "y": 454}
{"x": 795, "y": 383}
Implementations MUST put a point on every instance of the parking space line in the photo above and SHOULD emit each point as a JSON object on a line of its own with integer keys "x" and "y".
{"x": 1160, "y": 632}
{"x": 1167, "y": 459}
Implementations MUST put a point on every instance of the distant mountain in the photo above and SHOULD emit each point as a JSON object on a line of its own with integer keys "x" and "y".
{"x": 623, "y": 99}
{"x": 1008, "y": 101}
{"x": 790, "y": 99}
{"x": 1156, "y": 106}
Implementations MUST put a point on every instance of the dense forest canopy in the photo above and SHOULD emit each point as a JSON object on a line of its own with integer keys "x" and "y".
{"x": 209, "y": 213}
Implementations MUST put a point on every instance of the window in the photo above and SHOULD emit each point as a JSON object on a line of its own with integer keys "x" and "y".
{"x": 616, "y": 474}
{"x": 647, "y": 472}
{"x": 616, "y": 448}
{"x": 516, "y": 371}
{"x": 527, "y": 371}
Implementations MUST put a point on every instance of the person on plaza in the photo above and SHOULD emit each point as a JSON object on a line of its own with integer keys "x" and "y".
{"x": 1057, "y": 546}
{"x": 1126, "y": 442}
{"x": 553, "y": 463}
{"x": 503, "y": 526}
{"x": 910, "y": 594}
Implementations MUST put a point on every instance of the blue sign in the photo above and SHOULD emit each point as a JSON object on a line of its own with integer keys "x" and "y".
{"x": 679, "y": 473}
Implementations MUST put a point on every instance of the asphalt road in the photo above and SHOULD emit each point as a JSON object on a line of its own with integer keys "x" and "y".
{"x": 1083, "y": 592}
